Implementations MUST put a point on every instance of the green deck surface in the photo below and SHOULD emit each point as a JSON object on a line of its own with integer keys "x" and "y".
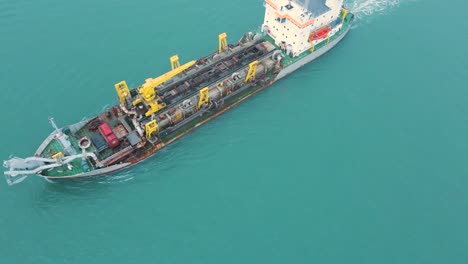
{"x": 55, "y": 146}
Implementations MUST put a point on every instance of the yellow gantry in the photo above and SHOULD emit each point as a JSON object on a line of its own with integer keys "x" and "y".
{"x": 122, "y": 91}
{"x": 222, "y": 45}
{"x": 252, "y": 71}
{"x": 151, "y": 128}
{"x": 175, "y": 62}
{"x": 204, "y": 97}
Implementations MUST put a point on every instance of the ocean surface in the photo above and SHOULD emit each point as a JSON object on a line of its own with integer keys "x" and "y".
{"x": 359, "y": 157}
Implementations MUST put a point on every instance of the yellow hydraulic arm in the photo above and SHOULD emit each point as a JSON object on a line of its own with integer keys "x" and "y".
{"x": 222, "y": 42}
{"x": 344, "y": 11}
{"x": 154, "y": 107}
{"x": 204, "y": 97}
{"x": 252, "y": 71}
{"x": 57, "y": 155}
{"x": 147, "y": 90}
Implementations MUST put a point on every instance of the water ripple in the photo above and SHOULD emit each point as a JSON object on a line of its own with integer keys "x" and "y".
{"x": 366, "y": 8}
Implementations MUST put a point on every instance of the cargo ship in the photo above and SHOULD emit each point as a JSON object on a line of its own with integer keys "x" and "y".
{"x": 164, "y": 109}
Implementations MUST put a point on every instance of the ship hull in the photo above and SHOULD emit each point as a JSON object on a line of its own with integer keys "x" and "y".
{"x": 205, "y": 117}
{"x": 172, "y": 137}
{"x": 313, "y": 56}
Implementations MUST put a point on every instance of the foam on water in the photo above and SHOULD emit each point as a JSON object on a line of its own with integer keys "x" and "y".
{"x": 365, "y": 8}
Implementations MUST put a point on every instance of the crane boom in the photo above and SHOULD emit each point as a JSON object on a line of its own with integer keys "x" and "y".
{"x": 147, "y": 89}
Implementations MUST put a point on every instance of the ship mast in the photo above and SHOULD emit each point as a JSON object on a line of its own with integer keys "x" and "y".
{"x": 52, "y": 122}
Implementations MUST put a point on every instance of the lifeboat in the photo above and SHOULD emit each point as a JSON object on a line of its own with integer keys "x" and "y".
{"x": 320, "y": 33}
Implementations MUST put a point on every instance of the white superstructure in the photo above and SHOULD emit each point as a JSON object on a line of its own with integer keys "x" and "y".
{"x": 290, "y": 23}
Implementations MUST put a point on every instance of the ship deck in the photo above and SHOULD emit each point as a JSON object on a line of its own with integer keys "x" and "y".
{"x": 55, "y": 146}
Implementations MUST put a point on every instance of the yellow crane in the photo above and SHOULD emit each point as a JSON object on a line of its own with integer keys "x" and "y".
{"x": 147, "y": 90}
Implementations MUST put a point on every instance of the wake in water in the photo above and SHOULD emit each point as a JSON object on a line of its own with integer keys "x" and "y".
{"x": 364, "y": 8}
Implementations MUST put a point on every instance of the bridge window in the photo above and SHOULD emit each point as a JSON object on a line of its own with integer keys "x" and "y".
{"x": 281, "y": 20}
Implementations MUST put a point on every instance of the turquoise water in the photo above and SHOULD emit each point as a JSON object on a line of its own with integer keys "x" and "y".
{"x": 359, "y": 157}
